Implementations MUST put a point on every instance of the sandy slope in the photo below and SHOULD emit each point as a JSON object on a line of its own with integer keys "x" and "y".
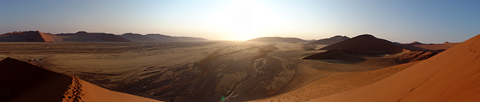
{"x": 25, "y": 82}
{"x": 449, "y": 76}
{"x": 332, "y": 83}
{"x": 81, "y": 90}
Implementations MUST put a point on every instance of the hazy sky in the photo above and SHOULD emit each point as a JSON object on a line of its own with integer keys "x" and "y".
{"x": 396, "y": 20}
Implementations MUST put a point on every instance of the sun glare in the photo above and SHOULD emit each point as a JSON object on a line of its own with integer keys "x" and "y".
{"x": 243, "y": 20}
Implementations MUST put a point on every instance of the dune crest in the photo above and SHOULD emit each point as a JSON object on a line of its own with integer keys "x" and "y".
{"x": 449, "y": 76}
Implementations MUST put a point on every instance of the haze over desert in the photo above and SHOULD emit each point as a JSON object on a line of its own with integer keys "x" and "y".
{"x": 237, "y": 51}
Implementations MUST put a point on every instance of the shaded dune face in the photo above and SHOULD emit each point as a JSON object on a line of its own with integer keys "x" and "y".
{"x": 24, "y": 82}
{"x": 365, "y": 45}
{"x": 449, "y": 76}
{"x": 336, "y": 55}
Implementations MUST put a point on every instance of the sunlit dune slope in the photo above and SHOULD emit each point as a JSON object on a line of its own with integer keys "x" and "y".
{"x": 449, "y": 76}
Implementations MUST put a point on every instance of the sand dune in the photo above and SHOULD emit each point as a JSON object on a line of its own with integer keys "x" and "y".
{"x": 331, "y": 40}
{"x": 166, "y": 38}
{"x": 365, "y": 44}
{"x": 25, "y": 82}
{"x": 449, "y": 76}
{"x": 28, "y": 36}
{"x": 412, "y": 56}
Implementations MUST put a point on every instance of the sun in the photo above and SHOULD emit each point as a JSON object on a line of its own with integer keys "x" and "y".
{"x": 241, "y": 20}
{"x": 241, "y": 35}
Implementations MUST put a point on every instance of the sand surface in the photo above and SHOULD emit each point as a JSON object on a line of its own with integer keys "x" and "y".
{"x": 193, "y": 71}
{"x": 24, "y": 82}
{"x": 212, "y": 71}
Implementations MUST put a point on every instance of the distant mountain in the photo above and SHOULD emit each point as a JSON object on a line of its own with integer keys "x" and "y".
{"x": 331, "y": 40}
{"x": 161, "y": 37}
{"x": 277, "y": 39}
{"x": 417, "y": 46}
{"x": 82, "y": 36}
{"x": 366, "y": 44}
{"x": 189, "y": 39}
{"x": 137, "y": 37}
{"x": 28, "y": 36}
{"x": 92, "y": 37}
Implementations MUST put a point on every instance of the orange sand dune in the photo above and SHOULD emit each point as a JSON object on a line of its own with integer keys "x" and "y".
{"x": 449, "y": 76}
{"x": 365, "y": 44}
{"x": 29, "y": 36}
{"x": 25, "y": 82}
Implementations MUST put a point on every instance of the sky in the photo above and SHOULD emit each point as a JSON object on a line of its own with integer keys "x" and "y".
{"x": 429, "y": 21}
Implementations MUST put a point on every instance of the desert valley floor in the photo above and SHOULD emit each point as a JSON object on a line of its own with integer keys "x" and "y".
{"x": 205, "y": 71}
